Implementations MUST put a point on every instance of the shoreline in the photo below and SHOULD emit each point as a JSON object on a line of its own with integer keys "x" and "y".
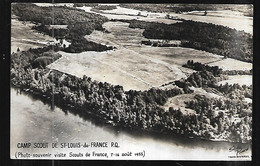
{"x": 128, "y": 129}
{"x": 102, "y": 118}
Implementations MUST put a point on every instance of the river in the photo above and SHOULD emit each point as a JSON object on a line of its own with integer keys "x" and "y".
{"x": 35, "y": 121}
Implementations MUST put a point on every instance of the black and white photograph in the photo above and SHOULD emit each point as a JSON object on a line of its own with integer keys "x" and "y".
{"x": 131, "y": 81}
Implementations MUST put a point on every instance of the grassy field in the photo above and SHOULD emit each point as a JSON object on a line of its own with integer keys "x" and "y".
{"x": 179, "y": 102}
{"x": 123, "y": 67}
{"x": 176, "y": 55}
{"x": 24, "y": 38}
{"x": 132, "y": 65}
{"x": 238, "y": 79}
{"x": 137, "y": 66}
{"x": 120, "y": 35}
{"x": 232, "y": 64}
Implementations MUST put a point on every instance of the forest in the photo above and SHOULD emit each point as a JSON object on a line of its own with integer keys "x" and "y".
{"x": 208, "y": 37}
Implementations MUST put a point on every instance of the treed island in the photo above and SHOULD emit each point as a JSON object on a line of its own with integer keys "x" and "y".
{"x": 227, "y": 116}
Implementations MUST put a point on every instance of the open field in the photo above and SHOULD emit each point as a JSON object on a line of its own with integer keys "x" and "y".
{"x": 232, "y": 64}
{"x": 23, "y": 37}
{"x": 218, "y": 13}
{"x": 177, "y": 55}
{"x": 120, "y": 35}
{"x": 238, "y": 79}
{"x": 123, "y": 67}
{"x": 178, "y": 102}
{"x": 132, "y": 65}
{"x": 126, "y": 11}
{"x": 136, "y": 66}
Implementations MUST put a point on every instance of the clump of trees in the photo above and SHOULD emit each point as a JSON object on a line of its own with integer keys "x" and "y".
{"x": 57, "y": 33}
{"x": 236, "y": 91}
{"x": 199, "y": 79}
{"x": 215, "y": 70}
{"x": 25, "y": 59}
{"x": 81, "y": 44}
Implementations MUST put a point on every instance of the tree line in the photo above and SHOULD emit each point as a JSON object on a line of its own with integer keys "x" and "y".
{"x": 208, "y": 37}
